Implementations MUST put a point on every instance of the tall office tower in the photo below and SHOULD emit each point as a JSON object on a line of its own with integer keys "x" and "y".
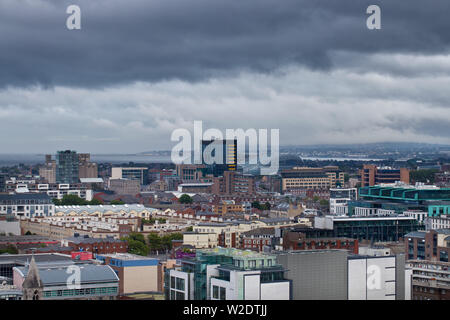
{"x": 48, "y": 170}
{"x": 87, "y": 169}
{"x": 220, "y": 156}
{"x": 67, "y": 167}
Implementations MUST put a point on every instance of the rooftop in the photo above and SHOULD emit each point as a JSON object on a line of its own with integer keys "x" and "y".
{"x": 24, "y": 196}
{"x": 90, "y": 273}
{"x": 126, "y": 256}
{"x": 103, "y": 208}
{"x": 42, "y": 258}
{"x": 91, "y": 180}
{"x": 416, "y": 234}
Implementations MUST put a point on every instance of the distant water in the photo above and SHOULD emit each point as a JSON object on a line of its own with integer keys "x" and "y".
{"x": 340, "y": 159}
{"x": 31, "y": 159}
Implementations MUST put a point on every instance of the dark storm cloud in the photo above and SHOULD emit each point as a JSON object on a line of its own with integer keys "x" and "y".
{"x": 142, "y": 40}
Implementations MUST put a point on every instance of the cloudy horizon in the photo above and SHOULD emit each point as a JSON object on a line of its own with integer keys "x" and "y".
{"x": 137, "y": 70}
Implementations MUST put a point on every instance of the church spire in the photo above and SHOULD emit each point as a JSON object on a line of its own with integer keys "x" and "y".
{"x": 33, "y": 279}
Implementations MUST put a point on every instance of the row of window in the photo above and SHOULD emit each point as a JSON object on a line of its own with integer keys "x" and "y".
{"x": 80, "y": 292}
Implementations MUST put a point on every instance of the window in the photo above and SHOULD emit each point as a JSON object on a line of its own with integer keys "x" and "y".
{"x": 223, "y": 294}
{"x": 179, "y": 295}
{"x": 215, "y": 292}
{"x": 180, "y": 284}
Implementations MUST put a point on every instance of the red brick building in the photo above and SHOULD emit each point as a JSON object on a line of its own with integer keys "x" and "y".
{"x": 97, "y": 245}
{"x": 258, "y": 239}
{"x": 299, "y": 241}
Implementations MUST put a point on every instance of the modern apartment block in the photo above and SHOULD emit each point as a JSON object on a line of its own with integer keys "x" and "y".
{"x": 433, "y": 245}
{"x": 336, "y": 275}
{"x": 54, "y": 190}
{"x": 67, "y": 167}
{"x": 311, "y": 178}
{"x": 227, "y": 274}
{"x": 131, "y": 173}
{"x": 339, "y": 198}
{"x": 26, "y": 205}
{"x": 372, "y": 175}
{"x": 430, "y": 280}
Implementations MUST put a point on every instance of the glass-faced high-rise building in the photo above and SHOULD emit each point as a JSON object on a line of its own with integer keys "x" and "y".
{"x": 67, "y": 167}
{"x": 227, "y": 159}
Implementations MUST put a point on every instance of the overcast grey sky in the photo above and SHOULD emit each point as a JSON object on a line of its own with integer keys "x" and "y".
{"x": 138, "y": 69}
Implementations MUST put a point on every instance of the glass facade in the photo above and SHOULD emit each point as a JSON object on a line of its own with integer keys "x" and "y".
{"x": 67, "y": 167}
{"x": 375, "y": 229}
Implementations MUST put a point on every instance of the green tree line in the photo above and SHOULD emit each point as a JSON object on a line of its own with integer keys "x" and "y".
{"x": 138, "y": 244}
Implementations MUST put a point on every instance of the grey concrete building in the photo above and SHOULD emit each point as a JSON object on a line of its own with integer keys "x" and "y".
{"x": 316, "y": 274}
{"x": 338, "y": 275}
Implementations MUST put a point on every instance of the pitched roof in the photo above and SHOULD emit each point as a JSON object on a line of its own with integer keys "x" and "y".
{"x": 32, "y": 279}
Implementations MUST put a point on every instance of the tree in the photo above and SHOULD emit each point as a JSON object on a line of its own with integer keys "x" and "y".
{"x": 185, "y": 198}
{"x": 72, "y": 200}
{"x": 157, "y": 243}
{"x": 154, "y": 242}
{"x": 9, "y": 249}
{"x": 95, "y": 202}
{"x": 137, "y": 247}
{"x": 137, "y": 237}
{"x": 324, "y": 203}
{"x": 166, "y": 240}
{"x": 424, "y": 175}
{"x": 256, "y": 204}
{"x": 28, "y": 233}
{"x": 117, "y": 202}
{"x": 190, "y": 229}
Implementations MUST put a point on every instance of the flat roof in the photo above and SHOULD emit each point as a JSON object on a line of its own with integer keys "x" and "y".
{"x": 38, "y": 257}
{"x": 91, "y": 180}
{"x": 126, "y": 256}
